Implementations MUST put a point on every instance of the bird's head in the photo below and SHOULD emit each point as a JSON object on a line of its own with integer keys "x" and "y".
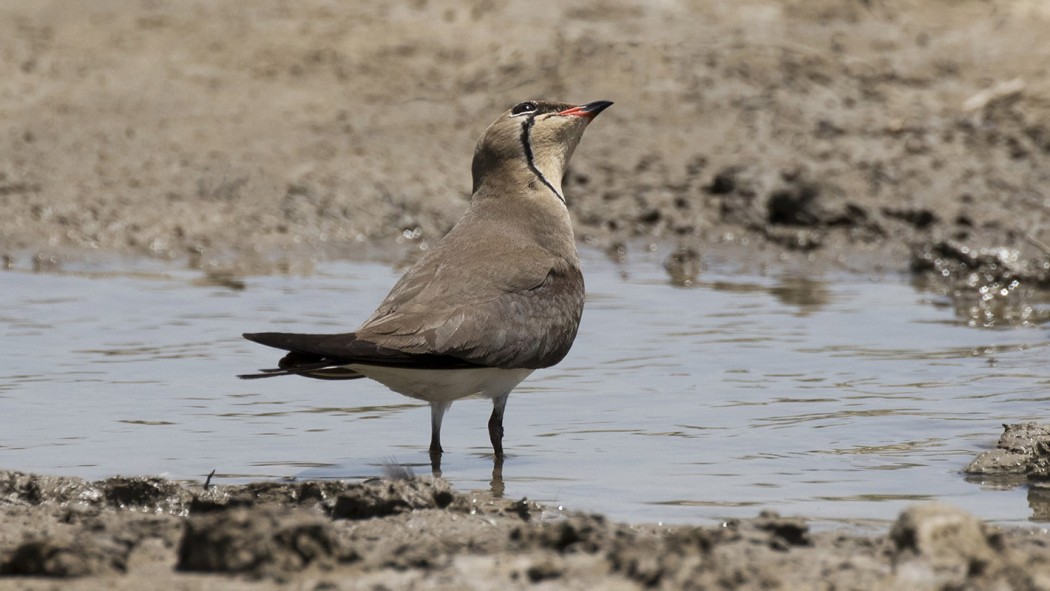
{"x": 534, "y": 140}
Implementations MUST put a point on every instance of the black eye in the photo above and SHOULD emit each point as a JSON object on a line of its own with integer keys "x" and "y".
{"x": 522, "y": 108}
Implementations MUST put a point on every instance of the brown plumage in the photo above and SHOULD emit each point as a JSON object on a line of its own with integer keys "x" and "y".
{"x": 499, "y": 296}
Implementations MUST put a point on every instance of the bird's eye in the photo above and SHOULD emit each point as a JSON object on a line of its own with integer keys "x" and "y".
{"x": 522, "y": 108}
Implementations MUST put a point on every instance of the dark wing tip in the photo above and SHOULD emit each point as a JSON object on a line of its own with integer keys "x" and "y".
{"x": 264, "y": 373}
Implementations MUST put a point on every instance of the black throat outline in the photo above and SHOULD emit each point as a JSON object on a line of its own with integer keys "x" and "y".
{"x": 526, "y": 143}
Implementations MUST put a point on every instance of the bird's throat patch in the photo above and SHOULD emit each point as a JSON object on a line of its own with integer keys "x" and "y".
{"x": 526, "y": 144}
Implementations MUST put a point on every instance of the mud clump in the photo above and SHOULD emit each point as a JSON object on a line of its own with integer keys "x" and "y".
{"x": 84, "y": 543}
{"x": 383, "y": 498}
{"x": 68, "y": 557}
{"x": 295, "y": 494}
{"x": 142, "y": 492}
{"x": 260, "y": 542}
{"x": 34, "y": 489}
{"x": 583, "y": 533}
{"x": 123, "y": 492}
{"x": 942, "y": 544}
{"x": 1019, "y": 451}
{"x": 944, "y": 535}
{"x": 784, "y": 532}
{"x": 742, "y": 554}
{"x": 1001, "y": 265}
{"x": 1021, "y": 457}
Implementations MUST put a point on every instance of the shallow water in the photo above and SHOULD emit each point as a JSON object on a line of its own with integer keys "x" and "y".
{"x": 839, "y": 398}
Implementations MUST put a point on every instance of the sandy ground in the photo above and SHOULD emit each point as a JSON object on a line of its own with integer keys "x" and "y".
{"x": 258, "y": 137}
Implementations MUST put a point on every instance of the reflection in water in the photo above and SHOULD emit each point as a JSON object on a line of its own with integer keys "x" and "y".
{"x": 839, "y": 399}
{"x": 1039, "y": 502}
{"x": 435, "y": 464}
{"x": 683, "y": 266}
{"x": 990, "y": 303}
{"x": 997, "y": 481}
{"x": 496, "y": 485}
{"x": 806, "y": 294}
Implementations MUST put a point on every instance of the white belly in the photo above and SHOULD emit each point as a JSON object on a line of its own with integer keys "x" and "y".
{"x": 445, "y": 385}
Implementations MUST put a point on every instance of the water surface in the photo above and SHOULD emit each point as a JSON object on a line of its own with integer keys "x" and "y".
{"x": 838, "y": 398}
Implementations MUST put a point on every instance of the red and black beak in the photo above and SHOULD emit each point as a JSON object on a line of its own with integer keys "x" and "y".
{"x": 590, "y": 110}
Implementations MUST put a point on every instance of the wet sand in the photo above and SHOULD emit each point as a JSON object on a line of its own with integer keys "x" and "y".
{"x": 137, "y": 533}
{"x": 885, "y": 136}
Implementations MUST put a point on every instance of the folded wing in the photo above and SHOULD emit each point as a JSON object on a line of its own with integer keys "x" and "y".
{"x": 325, "y": 356}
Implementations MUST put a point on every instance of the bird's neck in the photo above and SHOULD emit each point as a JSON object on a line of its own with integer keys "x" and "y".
{"x": 542, "y": 178}
{"x": 524, "y": 205}
{"x": 548, "y": 167}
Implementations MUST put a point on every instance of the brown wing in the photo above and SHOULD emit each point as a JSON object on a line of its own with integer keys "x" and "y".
{"x": 323, "y": 356}
{"x": 526, "y": 328}
{"x": 487, "y": 294}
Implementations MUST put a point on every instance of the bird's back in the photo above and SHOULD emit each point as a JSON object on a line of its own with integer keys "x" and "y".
{"x": 495, "y": 291}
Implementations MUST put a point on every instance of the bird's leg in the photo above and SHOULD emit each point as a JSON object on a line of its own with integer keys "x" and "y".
{"x": 496, "y": 424}
{"x": 437, "y": 412}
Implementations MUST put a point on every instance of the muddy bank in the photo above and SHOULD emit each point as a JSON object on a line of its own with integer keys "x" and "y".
{"x": 254, "y": 139}
{"x": 127, "y": 533}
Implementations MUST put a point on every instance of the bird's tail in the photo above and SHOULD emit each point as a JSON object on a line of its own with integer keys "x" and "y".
{"x": 298, "y": 363}
{"x": 320, "y": 373}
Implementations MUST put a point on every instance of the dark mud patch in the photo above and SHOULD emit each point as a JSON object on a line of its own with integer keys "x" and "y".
{"x": 260, "y": 542}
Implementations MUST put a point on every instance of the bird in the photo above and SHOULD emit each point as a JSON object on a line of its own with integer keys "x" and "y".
{"x": 499, "y": 296}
